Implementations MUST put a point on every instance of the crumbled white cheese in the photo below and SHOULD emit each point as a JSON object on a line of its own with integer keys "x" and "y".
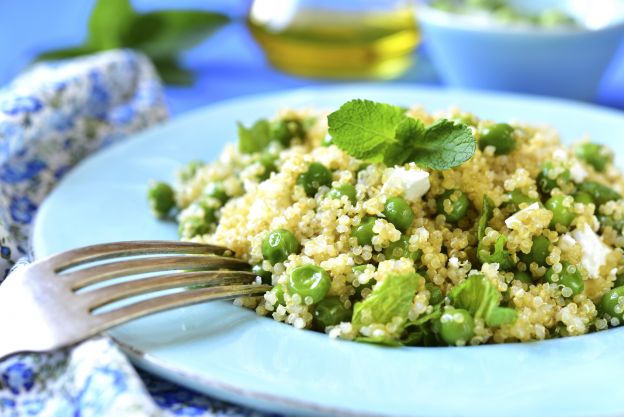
{"x": 577, "y": 172}
{"x": 567, "y": 241}
{"x": 515, "y": 220}
{"x": 560, "y": 154}
{"x": 413, "y": 182}
{"x": 595, "y": 251}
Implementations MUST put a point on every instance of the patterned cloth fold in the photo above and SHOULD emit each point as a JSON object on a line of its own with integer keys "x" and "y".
{"x": 50, "y": 118}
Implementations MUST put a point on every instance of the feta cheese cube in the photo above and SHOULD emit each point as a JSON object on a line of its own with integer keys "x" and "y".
{"x": 413, "y": 182}
{"x": 516, "y": 220}
{"x": 577, "y": 172}
{"x": 595, "y": 251}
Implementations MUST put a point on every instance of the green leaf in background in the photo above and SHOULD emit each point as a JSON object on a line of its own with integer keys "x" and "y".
{"x": 161, "y": 35}
{"x": 108, "y": 22}
{"x": 65, "y": 53}
{"x": 172, "y": 73}
{"x": 165, "y": 33}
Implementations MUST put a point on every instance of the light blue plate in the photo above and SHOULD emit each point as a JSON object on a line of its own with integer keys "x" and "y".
{"x": 231, "y": 353}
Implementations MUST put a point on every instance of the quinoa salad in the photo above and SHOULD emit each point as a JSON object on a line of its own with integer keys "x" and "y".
{"x": 395, "y": 226}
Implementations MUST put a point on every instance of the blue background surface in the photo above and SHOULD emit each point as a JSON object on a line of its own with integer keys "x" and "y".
{"x": 228, "y": 64}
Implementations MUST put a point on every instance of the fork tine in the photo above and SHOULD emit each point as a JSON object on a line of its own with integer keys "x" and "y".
{"x": 104, "y": 251}
{"x": 165, "y": 302}
{"x": 101, "y": 296}
{"x": 98, "y": 273}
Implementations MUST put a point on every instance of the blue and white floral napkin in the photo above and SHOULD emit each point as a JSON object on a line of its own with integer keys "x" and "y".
{"x": 50, "y": 118}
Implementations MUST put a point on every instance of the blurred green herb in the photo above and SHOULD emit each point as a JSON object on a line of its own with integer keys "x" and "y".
{"x": 161, "y": 35}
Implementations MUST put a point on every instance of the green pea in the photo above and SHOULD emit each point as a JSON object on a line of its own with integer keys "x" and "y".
{"x": 278, "y": 290}
{"x": 600, "y": 193}
{"x": 552, "y": 176}
{"x": 399, "y": 213}
{"x": 330, "y": 312}
{"x": 500, "y": 136}
{"x": 285, "y": 130}
{"x": 343, "y": 190}
{"x": 539, "y": 251}
{"x": 193, "y": 226}
{"x": 608, "y": 221}
{"x": 315, "y": 177}
{"x": 619, "y": 280}
{"x": 610, "y": 303}
{"x": 267, "y": 161}
{"x": 266, "y": 276}
{"x": 459, "y": 205}
{"x": 435, "y": 293}
{"x": 357, "y": 270}
{"x": 278, "y": 244}
{"x": 161, "y": 198}
{"x": 197, "y": 219}
{"x": 583, "y": 198}
{"x": 217, "y": 191}
{"x": 309, "y": 281}
{"x": 400, "y": 249}
{"x": 364, "y": 231}
{"x": 569, "y": 277}
{"x": 518, "y": 197}
{"x": 523, "y": 277}
{"x": 188, "y": 172}
{"x": 595, "y": 155}
{"x": 456, "y": 325}
{"x": 561, "y": 214}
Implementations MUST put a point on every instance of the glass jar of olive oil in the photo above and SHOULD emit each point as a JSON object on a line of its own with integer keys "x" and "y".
{"x": 336, "y": 38}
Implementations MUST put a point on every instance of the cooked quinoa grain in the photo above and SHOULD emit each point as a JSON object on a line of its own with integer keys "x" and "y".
{"x": 521, "y": 242}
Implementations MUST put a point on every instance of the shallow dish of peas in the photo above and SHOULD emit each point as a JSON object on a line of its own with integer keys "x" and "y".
{"x": 440, "y": 263}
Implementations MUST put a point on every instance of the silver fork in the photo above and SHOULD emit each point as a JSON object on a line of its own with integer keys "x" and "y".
{"x": 48, "y": 304}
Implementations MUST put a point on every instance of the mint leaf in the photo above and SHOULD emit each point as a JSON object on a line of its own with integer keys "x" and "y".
{"x": 378, "y": 132}
{"x": 444, "y": 145}
{"x": 379, "y": 340}
{"x": 392, "y": 298}
{"x": 364, "y": 129}
{"x": 408, "y": 131}
{"x": 255, "y": 138}
{"x": 165, "y": 33}
{"x": 108, "y": 22}
{"x": 501, "y": 315}
{"x": 486, "y": 215}
{"x": 500, "y": 255}
{"x": 479, "y": 296}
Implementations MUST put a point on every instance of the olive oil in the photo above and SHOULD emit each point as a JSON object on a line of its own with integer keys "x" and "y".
{"x": 340, "y": 44}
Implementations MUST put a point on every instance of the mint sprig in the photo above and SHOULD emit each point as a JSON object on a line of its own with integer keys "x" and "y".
{"x": 161, "y": 35}
{"x": 378, "y": 132}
